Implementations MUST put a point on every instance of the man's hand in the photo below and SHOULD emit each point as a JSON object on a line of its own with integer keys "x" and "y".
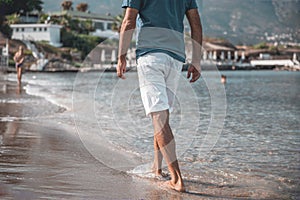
{"x": 196, "y": 34}
{"x": 121, "y": 67}
{"x": 195, "y": 72}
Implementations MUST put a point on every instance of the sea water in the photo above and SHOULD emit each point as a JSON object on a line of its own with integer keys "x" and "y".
{"x": 258, "y": 144}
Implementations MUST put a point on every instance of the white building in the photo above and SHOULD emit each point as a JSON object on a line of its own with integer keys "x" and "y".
{"x": 103, "y": 24}
{"x": 284, "y": 63}
{"x": 37, "y": 32}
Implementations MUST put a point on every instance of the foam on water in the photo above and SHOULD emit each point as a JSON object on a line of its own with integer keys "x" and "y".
{"x": 144, "y": 171}
{"x": 11, "y": 119}
{"x": 56, "y": 98}
{"x": 56, "y": 89}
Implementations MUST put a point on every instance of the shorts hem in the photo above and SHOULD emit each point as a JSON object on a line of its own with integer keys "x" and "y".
{"x": 156, "y": 110}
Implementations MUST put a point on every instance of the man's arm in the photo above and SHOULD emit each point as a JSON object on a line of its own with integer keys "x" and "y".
{"x": 126, "y": 32}
{"x": 196, "y": 34}
{"x": 22, "y": 59}
{"x": 16, "y": 57}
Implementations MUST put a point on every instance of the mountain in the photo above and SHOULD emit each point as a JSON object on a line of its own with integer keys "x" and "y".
{"x": 240, "y": 21}
{"x": 252, "y": 21}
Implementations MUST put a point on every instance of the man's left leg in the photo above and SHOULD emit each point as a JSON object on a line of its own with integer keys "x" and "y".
{"x": 157, "y": 163}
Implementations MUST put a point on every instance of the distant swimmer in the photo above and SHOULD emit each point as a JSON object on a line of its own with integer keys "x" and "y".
{"x": 19, "y": 60}
{"x": 223, "y": 79}
{"x": 160, "y": 56}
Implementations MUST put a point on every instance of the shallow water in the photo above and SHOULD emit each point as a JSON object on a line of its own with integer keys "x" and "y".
{"x": 41, "y": 156}
{"x": 256, "y": 155}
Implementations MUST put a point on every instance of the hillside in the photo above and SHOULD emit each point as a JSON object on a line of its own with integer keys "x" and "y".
{"x": 248, "y": 21}
{"x": 240, "y": 21}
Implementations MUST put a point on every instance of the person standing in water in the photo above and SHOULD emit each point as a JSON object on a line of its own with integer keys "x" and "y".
{"x": 19, "y": 60}
{"x": 160, "y": 57}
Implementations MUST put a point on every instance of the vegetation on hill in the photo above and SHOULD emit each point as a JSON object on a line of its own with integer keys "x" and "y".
{"x": 8, "y": 7}
{"x": 252, "y": 21}
{"x": 82, "y": 42}
{"x": 240, "y": 21}
{"x": 74, "y": 34}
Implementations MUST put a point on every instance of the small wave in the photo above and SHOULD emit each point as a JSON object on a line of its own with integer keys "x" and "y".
{"x": 11, "y": 119}
{"x": 141, "y": 169}
{"x": 15, "y": 101}
{"x": 56, "y": 98}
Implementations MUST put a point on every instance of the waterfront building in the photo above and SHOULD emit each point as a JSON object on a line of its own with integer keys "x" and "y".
{"x": 29, "y": 17}
{"x": 37, "y": 32}
{"x": 236, "y": 55}
{"x": 222, "y": 57}
{"x": 103, "y": 24}
{"x": 218, "y": 50}
{"x": 271, "y": 62}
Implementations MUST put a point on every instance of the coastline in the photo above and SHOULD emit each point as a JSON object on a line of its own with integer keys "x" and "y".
{"x": 42, "y": 158}
{"x": 133, "y": 68}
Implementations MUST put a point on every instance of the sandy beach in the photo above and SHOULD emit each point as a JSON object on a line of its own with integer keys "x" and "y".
{"x": 39, "y": 159}
{"x": 42, "y": 157}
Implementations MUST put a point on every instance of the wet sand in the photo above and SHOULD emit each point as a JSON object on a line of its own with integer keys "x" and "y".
{"x": 41, "y": 159}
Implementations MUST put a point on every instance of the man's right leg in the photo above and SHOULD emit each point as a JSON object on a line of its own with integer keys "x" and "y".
{"x": 152, "y": 72}
{"x": 165, "y": 140}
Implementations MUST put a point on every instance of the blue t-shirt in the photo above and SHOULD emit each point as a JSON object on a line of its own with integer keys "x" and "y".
{"x": 160, "y": 26}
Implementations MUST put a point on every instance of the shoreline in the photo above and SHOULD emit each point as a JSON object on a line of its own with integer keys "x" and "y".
{"x": 205, "y": 67}
{"x": 42, "y": 157}
{"x": 42, "y": 149}
{"x": 45, "y": 158}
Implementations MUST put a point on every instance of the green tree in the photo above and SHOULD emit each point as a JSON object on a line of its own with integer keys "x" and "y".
{"x": 67, "y": 5}
{"x": 86, "y": 27}
{"x": 262, "y": 45}
{"x": 83, "y": 43}
{"x": 43, "y": 18}
{"x": 82, "y": 7}
{"x": 13, "y": 18}
{"x": 32, "y": 5}
{"x": 8, "y": 7}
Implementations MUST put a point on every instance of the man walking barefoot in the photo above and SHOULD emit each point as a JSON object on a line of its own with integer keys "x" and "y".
{"x": 160, "y": 56}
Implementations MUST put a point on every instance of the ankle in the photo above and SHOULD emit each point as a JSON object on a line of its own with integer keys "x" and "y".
{"x": 177, "y": 181}
{"x": 158, "y": 172}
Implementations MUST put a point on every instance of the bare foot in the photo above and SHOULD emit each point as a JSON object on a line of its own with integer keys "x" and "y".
{"x": 162, "y": 176}
{"x": 173, "y": 186}
{"x": 158, "y": 172}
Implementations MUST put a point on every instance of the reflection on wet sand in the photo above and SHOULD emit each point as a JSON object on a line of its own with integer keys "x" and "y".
{"x": 40, "y": 160}
{"x": 14, "y": 147}
{"x": 19, "y": 89}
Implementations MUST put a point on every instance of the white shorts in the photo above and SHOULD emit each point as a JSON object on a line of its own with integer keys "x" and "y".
{"x": 158, "y": 74}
